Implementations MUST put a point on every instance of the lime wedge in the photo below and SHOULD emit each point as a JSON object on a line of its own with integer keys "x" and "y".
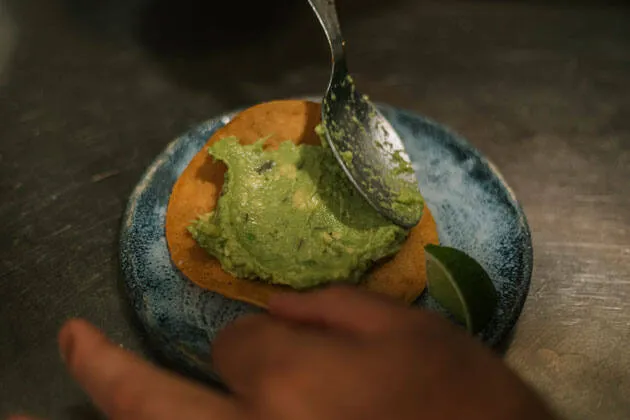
{"x": 461, "y": 285}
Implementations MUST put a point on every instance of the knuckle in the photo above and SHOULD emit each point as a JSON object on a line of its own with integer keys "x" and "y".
{"x": 280, "y": 383}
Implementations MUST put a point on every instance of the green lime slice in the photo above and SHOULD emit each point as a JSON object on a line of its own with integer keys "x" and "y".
{"x": 461, "y": 285}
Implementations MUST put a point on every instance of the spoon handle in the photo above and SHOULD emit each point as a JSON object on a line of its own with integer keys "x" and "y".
{"x": 327, "y": 15}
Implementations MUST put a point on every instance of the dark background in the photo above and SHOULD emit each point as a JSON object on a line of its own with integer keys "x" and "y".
{"x": 91, "y": 91}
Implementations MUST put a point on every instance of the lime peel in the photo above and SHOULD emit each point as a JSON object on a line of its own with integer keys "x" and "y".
{"x": 461, "y": 285}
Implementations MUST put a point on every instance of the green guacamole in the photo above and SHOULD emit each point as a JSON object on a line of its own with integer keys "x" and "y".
{"x": 290, "y": 216}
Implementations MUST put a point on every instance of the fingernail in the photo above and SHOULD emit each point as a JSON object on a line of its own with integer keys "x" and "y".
{"x": 66, "y": 344}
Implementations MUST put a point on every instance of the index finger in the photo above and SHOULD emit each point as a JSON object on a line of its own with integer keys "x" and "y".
{"x": 126, "y": 387}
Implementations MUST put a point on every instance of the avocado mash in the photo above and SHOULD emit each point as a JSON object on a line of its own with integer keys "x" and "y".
{"x": 290, "y": 216}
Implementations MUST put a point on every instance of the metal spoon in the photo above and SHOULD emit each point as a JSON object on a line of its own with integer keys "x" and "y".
{"x": 365, "y": 144}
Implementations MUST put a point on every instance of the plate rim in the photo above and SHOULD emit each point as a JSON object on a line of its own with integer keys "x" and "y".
{"x": 494, "y": 340}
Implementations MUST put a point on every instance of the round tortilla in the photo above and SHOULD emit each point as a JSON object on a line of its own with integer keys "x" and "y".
{"x": 197, "y": 191}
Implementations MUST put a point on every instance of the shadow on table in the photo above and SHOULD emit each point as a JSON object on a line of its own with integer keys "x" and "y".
{"x": 85, "y": 411}
{"x": 502, "y": 346}
{"x": 222, "y": 47}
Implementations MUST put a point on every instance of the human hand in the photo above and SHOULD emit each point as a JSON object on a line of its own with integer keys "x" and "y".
{"x": 334, "y": 354}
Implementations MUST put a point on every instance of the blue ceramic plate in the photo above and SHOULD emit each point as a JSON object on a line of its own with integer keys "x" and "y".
{"x": 474, "y": 209}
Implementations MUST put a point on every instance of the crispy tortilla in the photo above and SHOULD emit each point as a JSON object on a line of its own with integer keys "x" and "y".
{"x": 197, "y": 191}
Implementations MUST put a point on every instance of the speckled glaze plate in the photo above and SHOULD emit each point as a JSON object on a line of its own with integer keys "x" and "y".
{"x": 474, "y": 208}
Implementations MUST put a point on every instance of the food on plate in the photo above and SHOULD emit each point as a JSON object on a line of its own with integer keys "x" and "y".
{"x": 289, "y": 216}
{"x": 264, "y": 206}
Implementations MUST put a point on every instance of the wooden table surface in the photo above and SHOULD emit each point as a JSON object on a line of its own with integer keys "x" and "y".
{"x": 90, "y": 92}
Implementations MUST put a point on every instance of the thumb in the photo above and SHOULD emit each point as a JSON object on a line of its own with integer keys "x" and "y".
{"x": 340, "y": 307}
{"x": 125, "y": 386}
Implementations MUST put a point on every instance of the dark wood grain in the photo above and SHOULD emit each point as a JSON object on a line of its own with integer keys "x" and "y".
{"x": 88, "y": 98}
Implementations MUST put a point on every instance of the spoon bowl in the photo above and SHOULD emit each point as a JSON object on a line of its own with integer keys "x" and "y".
{"x": 364, "y": 143}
